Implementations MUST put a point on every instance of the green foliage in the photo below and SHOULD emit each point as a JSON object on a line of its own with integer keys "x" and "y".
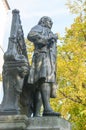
{"x": 30, "y": 50}
{"x": 77, "y": 6}
{"x": 71, "y": 75}
{"x": 0, "y": 77}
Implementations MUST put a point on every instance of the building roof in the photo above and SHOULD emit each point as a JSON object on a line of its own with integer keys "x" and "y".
{"x": 6, "y": 4}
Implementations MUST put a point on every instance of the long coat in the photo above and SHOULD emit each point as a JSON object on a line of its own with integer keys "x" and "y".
{"x": 44, "y": 57}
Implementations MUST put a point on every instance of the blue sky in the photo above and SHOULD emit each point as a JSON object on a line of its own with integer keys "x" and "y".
{"x": 32, "y": 10}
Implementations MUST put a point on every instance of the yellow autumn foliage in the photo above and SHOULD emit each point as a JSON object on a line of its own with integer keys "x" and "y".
{"x": 71, "y": 76}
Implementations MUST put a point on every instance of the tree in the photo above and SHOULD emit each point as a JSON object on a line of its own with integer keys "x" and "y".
{"x": 0, "y": 77}
{"x": 71, "y": 75}
{"x": 30, "y": 50}
{"x": 77, "y": 6}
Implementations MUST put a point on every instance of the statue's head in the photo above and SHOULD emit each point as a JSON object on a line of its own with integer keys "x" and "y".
{"x": 46, "y": 22}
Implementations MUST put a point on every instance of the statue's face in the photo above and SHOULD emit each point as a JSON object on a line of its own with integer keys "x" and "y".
{"x": 46, "y": 22}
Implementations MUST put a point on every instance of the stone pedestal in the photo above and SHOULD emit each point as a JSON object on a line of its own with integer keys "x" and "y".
{"x": 48, "y": 123}
{"x": 22, "y": 122}
{"x": 13, "y": 122}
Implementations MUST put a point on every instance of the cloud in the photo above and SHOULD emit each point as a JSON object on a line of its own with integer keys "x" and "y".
{"x": 52, "y": 13}
{"x": 33, "y": 8}
{"x": 27, "y": 4}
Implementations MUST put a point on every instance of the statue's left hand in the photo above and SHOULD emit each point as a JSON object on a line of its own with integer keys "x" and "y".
{"x": 53, "y": 37}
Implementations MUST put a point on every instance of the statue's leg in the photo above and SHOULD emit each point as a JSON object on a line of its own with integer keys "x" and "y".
{"x": 26, "y": 99}
{"x": 37, "y": 103}
{"x": 45, "y": 93}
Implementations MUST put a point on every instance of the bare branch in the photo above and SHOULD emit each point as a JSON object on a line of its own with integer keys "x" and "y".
{"x": 1, "y": 49}
{"x": 72, "y": 99}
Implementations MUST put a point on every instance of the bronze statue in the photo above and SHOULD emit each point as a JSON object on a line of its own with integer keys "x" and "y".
{"x": 27, "y": 87}
{"x": 43, "y": 72}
